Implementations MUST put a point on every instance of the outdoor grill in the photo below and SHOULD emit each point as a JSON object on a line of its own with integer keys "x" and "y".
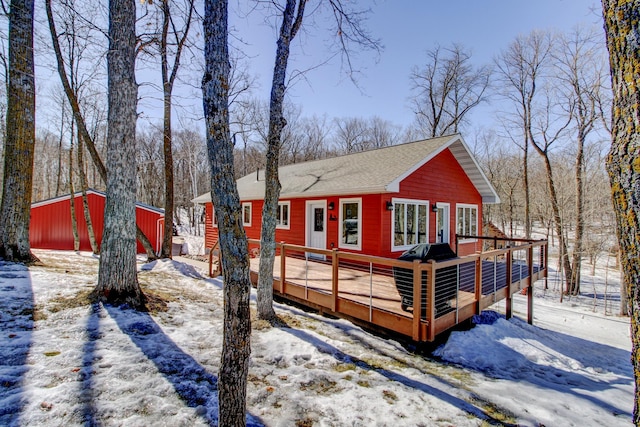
{"x": 446, "y": 278}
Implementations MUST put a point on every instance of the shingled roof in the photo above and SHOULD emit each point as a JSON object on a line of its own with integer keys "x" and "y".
{"x": 368, "y": 172}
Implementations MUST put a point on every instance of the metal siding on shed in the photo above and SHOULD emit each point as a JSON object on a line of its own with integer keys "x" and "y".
{"x": 51, "y": 228}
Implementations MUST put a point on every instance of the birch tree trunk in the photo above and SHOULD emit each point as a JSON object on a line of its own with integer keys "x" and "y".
{"x": 85, "y": 201}
{"x": 277, "y": 122}
{"x": 621, "y": 19}
{"x": 72, "y": 200}
{"x": 15, "y": 209}
{"x": 236, "y": 348}
{"x": 117, "y": 279}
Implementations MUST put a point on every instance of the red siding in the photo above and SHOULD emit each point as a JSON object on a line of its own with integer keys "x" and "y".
{"x": 441, "y": 180}
{"x": 50, "y": 226}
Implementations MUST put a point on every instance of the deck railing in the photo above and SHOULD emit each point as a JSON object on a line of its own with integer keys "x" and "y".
{"x": 416, "y": 299}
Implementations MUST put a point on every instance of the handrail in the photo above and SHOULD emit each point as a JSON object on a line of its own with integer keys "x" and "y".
{"x": 471, "y": 293}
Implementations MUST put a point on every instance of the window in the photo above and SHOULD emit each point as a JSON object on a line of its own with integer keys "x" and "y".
{"x": 214, "y": 220}
{"x": 410, "y": 223}
{"x": 351, "y": 223}
{"x": 467, "y": 220}
{"x": 282, "y": 215}
{"x": 246, "y": 214}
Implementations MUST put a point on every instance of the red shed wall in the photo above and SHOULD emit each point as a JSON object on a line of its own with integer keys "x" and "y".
{"x": 441, "y": 180}
{"x": 51, "y": 228}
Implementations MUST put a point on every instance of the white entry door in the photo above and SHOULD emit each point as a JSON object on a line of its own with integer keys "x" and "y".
{"x": 442, "y": 223}
{"x": 317, "y": 226}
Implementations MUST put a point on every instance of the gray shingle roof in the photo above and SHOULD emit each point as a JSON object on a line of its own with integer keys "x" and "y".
{"x": 373, "y": 171}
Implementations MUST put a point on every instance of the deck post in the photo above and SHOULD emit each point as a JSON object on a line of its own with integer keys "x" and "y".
{"x": 478, "y": 284}
{"x": 417, "y": 299}
{"x": 334, "y": 279}
{"x": 508, "y": 299}
{"x": 283, "y": 266}
{"x": 431, "y": 301}
{"x": 530, "y": 287}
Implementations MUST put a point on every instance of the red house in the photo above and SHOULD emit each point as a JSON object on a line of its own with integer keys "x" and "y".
{"x": 378, "y": 202}
{"x": 50, "y": 226}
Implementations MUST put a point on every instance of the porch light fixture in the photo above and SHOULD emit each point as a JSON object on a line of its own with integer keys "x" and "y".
{"x": 331, "y": 206}
{"x": 434, "y": 208}
{"x": 389, "y": 206}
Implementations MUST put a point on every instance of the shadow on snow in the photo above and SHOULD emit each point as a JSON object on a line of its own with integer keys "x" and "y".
{"x": 194, "y": 384}
{"x": 16, "y": 323}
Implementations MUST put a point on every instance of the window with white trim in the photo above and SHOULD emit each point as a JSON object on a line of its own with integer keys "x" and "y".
{"x": 282, "y": 215}
{"x": 410, "y": 223}
{"x": 246, "y": 214}
{"x": 351, "y": 223}
{"x": 214, "y": 220}
{"x": 467, "y": 220}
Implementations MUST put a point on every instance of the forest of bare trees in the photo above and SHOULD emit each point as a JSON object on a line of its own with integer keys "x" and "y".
{"x": 544, "y": 153}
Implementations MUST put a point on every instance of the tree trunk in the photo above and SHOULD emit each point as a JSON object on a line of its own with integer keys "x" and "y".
{"x": 291, "y": 22}
{"x": 623, "y": 41}
{"x": 527, "y": 195}
{"x": 579, "y": 234}
{"x": 167, "y": 240}
{"x": 557, "y": 219}
{"x": 85, "y": 201}
{"x": 59, "y": 175}
{"x": 15, "y": 209}
{"x": 72, "y": 201}
{"x": 236, "y": 347}
{"x": 117, "y": 279}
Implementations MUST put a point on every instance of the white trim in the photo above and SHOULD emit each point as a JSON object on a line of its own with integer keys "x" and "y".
{"x": 466, "y": 206}
{"x": 394, "y": 186}
{"x": 415, "y": 202}
{"x": 308, "y": 223}
{"x": 249, "y": 205}
{"x": 341, "y": 244}
{"x": 446, "y": 238}
{"x": 286, "y": 226}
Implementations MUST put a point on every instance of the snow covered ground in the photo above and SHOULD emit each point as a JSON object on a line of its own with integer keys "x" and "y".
{"x": 64, "y": 362}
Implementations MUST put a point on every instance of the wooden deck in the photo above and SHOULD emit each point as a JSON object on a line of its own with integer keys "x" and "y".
{"x": 370, "y": 289}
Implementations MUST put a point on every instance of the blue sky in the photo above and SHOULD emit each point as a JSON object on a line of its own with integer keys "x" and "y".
{"x": 407, "y": 29}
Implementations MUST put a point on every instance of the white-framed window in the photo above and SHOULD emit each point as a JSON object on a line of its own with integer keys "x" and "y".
{"x": 467, "y": 221}
{"x": 350, "y": 223}
{"x": 246, "y": 214}
{"x": 410, "y": 224}
{"x": 282, "y": 215}
{"x": 214, "y": 220}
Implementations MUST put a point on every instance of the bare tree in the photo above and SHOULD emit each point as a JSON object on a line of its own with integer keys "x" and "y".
{"x": 236, "y": 348}
{"x": 447, "y": 89}
{"x": 623, "y": 41}
{"x": 15, "y": 207}
{"x": 351, "y": 133}
{"x": 174, "y": 38}
{"x": 72, "y": 97}
{"x": 117, "y": 277}
{"x": 349, "y": 29}
{"x": 580, "y": 76}
{"x": 520, "y": 69}
{"x": 292, "y": 16}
